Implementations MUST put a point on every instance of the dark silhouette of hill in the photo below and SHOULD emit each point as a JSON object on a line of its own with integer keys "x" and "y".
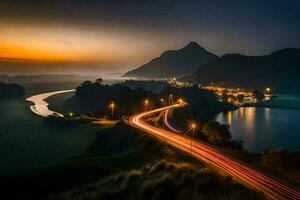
{"x": 175, "y": 63}
{"x": 8, "y": 91}
{"x": 279, "y": 70}
{"x": 94, "y": 97}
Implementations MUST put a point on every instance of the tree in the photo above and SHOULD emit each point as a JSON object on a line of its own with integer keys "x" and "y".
{"x": 86, "y": 83}
{"x": 216, "y": 133}
{"x": 274, "y": 160}
{"x": 99, "y": 80}
{"x": 240, "y": 98}
{"x": 258, "y": 95}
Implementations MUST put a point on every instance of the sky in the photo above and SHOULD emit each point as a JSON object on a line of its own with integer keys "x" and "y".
{"x": 87, "y": 36}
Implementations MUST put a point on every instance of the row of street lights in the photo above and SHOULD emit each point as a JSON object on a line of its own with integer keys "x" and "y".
{"x": 192, "y": 125}
{"x": 146, "y": 104}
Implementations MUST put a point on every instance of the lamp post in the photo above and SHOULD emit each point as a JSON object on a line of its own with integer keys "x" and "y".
{"x": 146, "y": 104}
{"x": 170, "y": 99}
{"x": 162, "y": 102}
{"x": 112, "y": 107}
{"x": 193, "y": 127}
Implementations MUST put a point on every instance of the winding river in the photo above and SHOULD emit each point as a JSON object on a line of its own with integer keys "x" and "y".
{"x": 40, "y": 106}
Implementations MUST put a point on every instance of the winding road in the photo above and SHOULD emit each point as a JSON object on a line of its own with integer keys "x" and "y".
{"x": 166, "y": 121}
{"x": 243, "y": 173}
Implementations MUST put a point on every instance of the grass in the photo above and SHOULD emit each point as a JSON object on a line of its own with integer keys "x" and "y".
{"x": 120, "y": 162}
{"x": 116, "y": 163}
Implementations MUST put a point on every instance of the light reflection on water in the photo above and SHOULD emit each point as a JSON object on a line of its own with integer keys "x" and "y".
{"x": 261, "y": 128}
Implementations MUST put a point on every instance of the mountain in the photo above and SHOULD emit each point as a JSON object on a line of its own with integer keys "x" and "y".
{"x": 279, "y": 70}
{"x": 174, "y": 63}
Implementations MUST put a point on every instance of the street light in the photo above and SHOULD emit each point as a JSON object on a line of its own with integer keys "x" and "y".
{"x": 180, "y": 100}
{"x": 146, "y": 104}
{"x": 171, "y": 99}
{"x": 162, "y": 102}
{"x": 112, "y": 107}
{"x": 268, "y": 90}
{"x": 193, "y": 128}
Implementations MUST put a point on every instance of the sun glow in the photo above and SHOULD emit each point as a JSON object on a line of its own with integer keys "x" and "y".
{"x": 65, "y": 44}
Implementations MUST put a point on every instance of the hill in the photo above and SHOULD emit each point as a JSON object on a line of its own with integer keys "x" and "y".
{"x": 279, "y": 70}
{"x": 124, "y": 163}
{"x": 8, "y": 91}
{"x": 174, "y": 63}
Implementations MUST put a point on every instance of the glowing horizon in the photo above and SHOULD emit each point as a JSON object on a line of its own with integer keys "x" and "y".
{"x": 69, "y": 44}
{"x": 129, "y": 34}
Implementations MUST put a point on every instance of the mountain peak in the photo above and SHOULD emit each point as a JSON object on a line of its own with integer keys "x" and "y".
{"x": 174, "y": 63}
{"x": 193, "y": 44}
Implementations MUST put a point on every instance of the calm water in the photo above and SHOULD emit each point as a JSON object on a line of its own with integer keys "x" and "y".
{"x": 262, "y": 128}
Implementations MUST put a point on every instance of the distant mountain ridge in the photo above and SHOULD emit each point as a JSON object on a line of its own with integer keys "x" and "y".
{"x": 280, "y": 70}
{"x": 174, "y": 63}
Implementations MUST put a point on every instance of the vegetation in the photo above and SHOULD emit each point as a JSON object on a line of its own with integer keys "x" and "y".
{"x": 124, "y": 163}
{"x": 282, "y": 163}
{"x": 216, "y": 133}
{"x": 93, "y": 98}
{"x": 162, "y": 180}
{"x": 8, "y": 91}
{"x": 149, "y": 85}
{"x": 258, "y": 95}
{"x": 99, "y": 80}
{"x": 202, "y": 105}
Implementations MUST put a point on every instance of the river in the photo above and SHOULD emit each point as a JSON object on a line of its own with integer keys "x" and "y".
{"x": 40, "y": 106}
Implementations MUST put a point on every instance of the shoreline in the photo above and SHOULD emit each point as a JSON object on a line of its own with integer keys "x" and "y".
{"x": 40, "y": 106}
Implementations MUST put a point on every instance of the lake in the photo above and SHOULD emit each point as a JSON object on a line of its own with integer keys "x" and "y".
{"x": 260, "y": 128}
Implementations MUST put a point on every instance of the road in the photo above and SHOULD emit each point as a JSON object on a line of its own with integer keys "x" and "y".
{"x": 243, "y": 173}
{"x": 166, "y": 121}
{"x": 40, "y": 106}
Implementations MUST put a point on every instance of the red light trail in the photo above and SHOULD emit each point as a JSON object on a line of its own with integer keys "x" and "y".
{"x": 241, "y": 172}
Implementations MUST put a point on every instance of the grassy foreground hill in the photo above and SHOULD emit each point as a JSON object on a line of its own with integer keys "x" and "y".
{"x": 124, "y": 163}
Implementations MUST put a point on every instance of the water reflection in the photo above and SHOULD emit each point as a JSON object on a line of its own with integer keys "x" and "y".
{"x": 261, "y": 128}
{"x": 249, "y": 117}
{"x": 249, "y": 123}
{"x": 229, "y": 117}
{"x": 267, "y": 115}
{"x": 241, "y": 113}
